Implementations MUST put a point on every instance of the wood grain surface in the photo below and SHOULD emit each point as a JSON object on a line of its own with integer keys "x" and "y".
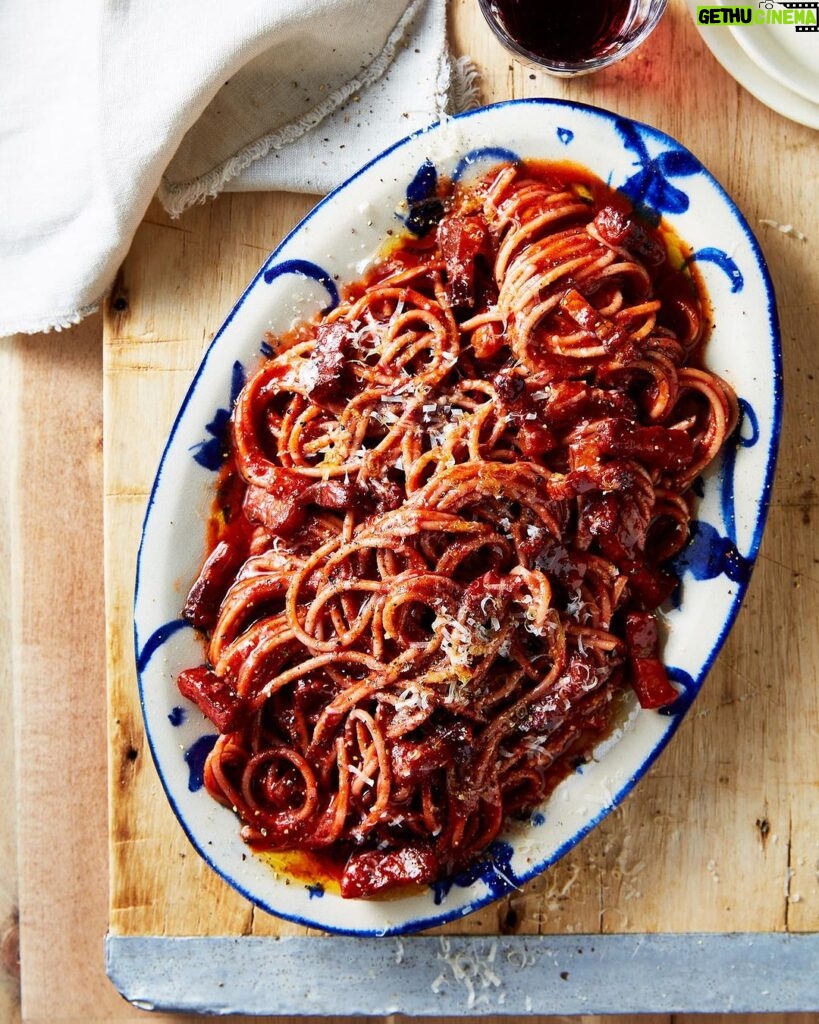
{"x": 723, "y": 834}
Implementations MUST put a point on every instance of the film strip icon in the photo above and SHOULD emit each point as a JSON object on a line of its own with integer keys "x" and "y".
{"x": 800, "y": 5}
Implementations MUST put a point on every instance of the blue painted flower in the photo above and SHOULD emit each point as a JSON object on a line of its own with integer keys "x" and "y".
{"x": 311, "y": 271}
{"x": 494, "y": 869}
{"x": 739, "y": 439}
{"x": 157, "y": 639}
{"x": 195, "y": 757}
{"x": 708, "y": 554}
{"x": 721, "y": 259}
{"x": 685, "y": 684}
{"x": 176, "y": 716}
{"x": 650, "y": 189}
{"x": 484, "y": 154}
{"x": 211, "y": 453}
{"x": 425, "y": 209}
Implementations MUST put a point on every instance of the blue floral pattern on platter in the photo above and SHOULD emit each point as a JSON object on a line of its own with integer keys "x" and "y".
{"x": 211, "y": 453}
{"x": 662, "y": 179}
{"x": 688, "y": 691}
{"x": 177, "y": 715}
{"x": 194, "y": 757}
{"x": 311, "y": 271}
{"x": 711, "y": 254}
{"x": 160, "y": 636}
{"x": 650, "y": 188}
{"x": 494, "y": 869}
{"x": 424, "y": 208}
{"x": 483, "y": 157}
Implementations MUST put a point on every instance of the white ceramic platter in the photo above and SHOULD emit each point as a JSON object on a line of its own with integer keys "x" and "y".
{"x": 334, "y": 244}
{"x": 787, "y": 53}
{"x": 771, "y": 89}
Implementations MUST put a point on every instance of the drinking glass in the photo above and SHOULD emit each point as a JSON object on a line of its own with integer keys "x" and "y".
{"x": 571, "y": 37}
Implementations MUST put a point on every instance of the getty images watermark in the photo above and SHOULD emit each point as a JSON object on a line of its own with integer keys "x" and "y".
{"x": 803, "y": 16}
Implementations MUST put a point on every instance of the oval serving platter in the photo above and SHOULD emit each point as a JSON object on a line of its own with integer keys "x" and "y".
{"x": 333, "y": 244}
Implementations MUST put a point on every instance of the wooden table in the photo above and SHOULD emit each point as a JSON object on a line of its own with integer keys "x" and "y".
{"x": 723, "y": 835}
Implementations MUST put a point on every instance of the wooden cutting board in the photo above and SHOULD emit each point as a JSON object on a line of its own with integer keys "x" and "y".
{"x": 723, "y": 833}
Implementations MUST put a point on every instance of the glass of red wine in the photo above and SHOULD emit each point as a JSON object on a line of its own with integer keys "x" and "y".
{"x": 571, "y": 37}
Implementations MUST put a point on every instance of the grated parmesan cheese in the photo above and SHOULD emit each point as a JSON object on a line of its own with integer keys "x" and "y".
{"x": 359, "y": 774}
{"x": 785, "y": 229}
{"x": 474, "y": 972}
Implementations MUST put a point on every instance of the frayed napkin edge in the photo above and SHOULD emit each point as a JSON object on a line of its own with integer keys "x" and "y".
{"x": 457, "y": 90}
{"x": 51, "y": 322}
{"x": 176, "y": 197}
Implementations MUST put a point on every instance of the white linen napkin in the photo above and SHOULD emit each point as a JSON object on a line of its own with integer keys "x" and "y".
{"x": 103, "y": 105}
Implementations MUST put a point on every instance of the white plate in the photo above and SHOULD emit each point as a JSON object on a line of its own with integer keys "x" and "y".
{"x": 725, "y": 46}
{"x": 789, "y": 56}
{"x": 296, "y": 281}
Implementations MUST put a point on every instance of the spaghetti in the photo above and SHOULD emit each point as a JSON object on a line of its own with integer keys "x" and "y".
{"x": 440, "y": 534}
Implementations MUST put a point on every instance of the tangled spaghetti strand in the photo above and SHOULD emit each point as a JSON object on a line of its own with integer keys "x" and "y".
{"x": 440, "y": 535}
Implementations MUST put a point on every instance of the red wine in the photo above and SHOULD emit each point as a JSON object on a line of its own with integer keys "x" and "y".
{"x": 569, "y": 30}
